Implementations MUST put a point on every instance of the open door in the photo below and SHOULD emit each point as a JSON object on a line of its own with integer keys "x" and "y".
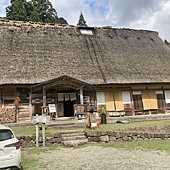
{"x": 68, "y": 108}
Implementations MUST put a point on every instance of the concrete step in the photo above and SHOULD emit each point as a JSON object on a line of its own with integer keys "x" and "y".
{"x": 75, "y": 142}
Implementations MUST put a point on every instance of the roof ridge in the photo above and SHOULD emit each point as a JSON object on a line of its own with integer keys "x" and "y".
{"x": 15, "y": 23}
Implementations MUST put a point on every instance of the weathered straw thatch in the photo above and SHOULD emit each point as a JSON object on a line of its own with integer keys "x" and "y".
{"x": 32, "y": 53}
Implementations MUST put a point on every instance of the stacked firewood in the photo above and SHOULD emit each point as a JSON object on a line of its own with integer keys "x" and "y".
{"x": 7, "y": 115}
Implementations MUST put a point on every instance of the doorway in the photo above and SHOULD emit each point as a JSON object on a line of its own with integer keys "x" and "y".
{"x": 68, "y": 108}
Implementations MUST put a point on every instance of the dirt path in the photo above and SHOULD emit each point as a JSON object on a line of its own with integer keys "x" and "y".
{"x": 99, "y": 158}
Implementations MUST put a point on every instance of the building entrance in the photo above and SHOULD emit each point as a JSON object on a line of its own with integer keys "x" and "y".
{"x": 68, "y": 108}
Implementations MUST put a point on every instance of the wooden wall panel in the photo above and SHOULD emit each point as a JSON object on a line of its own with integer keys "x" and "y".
{"x": 118, "y": 100}
{"x": 145, "y": 99}
{"x": 153, "y": 99}
{"x": 149, "y": 99}
{"x": 110, "y": 106}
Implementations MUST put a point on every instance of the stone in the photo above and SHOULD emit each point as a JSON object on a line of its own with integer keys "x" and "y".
{"x": 75, "y": 142}
{"x": 31, "y": 144}
{"x": 112, "y": 138}
{"x": 104, "y": 138}
{"x": 92, "y": 133}
{"x": 94, "y": 139}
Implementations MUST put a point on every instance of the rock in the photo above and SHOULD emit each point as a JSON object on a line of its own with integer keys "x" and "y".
{"x": 94, "y": 139}
{"x": 104, "y": 138}
{"x": 31, "y": 144}
{"x": 112, "y": 138}
{"x": 74, "y": 142}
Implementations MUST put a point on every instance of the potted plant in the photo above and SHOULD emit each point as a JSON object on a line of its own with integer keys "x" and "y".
{"x": 103, "y": 116}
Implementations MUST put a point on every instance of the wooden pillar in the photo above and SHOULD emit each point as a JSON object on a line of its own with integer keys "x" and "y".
{"x": 43, "y": 133}
{"x": 30, "y": 104}
{"x": 81, "y": 95}
{"x": 37, "y": 132}
{"x": 44, "y": 96}
{"x": 56, "y": 103}
{"x": 44, "y": 104}
{"x": 131, "y": 97}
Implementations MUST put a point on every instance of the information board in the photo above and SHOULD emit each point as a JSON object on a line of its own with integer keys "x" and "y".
{"x": 52, "y": 108}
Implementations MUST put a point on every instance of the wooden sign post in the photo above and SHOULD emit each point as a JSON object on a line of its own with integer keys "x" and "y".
{"x": 91, "y": 120}
{"x": 40, "y": 119}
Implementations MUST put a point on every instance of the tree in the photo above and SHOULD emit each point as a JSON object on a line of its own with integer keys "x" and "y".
{"x": 17, "y": 11}
{"x": 81, "y": 21}
{"x": 34, "y": 10}
{"x": 45, "y": 11}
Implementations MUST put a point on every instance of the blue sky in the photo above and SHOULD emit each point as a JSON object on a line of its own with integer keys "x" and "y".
{"x": 137, "y": 14}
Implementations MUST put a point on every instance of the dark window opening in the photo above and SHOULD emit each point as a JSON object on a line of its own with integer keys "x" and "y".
{"x": 23, "y": 94}
{"x": 138, "y": 104}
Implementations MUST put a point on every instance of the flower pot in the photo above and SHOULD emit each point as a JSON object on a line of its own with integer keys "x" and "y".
{"x": 103, "y": 119}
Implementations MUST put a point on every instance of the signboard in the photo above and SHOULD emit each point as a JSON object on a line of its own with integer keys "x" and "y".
{"x": 93, "y": 120}
{"x": 80, "y": 109}
{"x": 86, "y": 99}
{"x": 40, "y": 119}
{"x": 52, "y": 108}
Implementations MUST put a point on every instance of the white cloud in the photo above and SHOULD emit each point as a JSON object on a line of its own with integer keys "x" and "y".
{"x": 3, "y": 5}
{"x": 157, "y": 20}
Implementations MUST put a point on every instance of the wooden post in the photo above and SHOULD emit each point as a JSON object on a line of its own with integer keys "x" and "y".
{"x": 30, "y": 104}
{"x": 44, "y": 96}
{"x": 81, "y": 95}
{"x": 17, "y": 115}
{"x": 37, "y": 132}
{"x": 43, "y": 133}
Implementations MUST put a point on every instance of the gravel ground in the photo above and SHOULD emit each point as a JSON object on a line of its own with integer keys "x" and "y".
{"x": 100, "y": 158}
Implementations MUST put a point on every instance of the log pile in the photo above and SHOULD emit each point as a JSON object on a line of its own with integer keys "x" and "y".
{"x": 7, "y": 115}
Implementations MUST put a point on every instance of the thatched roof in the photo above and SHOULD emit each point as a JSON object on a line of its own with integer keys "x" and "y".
{"x": 33, "y": 53}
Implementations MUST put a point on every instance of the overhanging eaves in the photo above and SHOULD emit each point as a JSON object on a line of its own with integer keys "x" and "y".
{"x": 62, "y": 82}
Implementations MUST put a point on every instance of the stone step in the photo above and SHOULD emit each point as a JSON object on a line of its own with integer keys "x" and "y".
{"x": 75, "y": 142}
{"x": 71, "y": 138}
{"x": 72, "y": 134}
{"x": 71, "y": 131}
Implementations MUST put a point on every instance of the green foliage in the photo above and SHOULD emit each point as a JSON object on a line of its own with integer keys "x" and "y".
{"x": 81, "y": 21}
{"x": 34, "y": 10}
{"x": 17, "y": 10}
{"x": 45, "y": 11}
{"x": 103, "y": 110}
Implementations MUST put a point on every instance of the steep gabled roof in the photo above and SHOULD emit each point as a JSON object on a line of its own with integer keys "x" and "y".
{"x": 34, "y": 52}
{"x": 62, "y": 83}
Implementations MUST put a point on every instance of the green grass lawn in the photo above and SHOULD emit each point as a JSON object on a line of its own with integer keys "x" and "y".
{"x": 30, "y": 130}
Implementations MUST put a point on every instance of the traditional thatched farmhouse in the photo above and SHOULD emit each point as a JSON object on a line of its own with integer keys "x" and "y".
{"x": 125, "y": 70}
